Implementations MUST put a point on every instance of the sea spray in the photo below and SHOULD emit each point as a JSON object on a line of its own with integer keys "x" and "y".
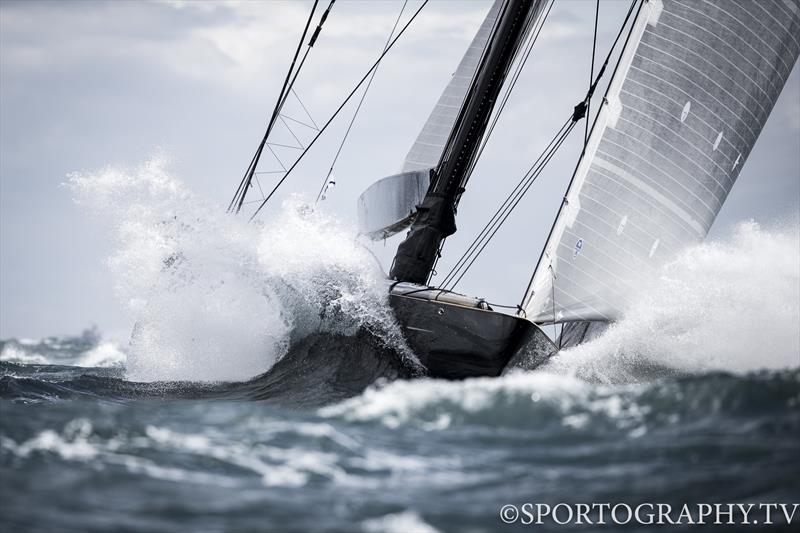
{"x": 730, "y": 305}
{"x": 215, "y": 298}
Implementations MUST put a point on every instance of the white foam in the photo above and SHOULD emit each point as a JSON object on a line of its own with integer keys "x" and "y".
{"x": 277, "y": 467}
{"x": 75, "y": 443}
{"x": 71, "y": 444}
{"x": 13, "y": 354}
{"x": 105, "y": 354}
{"x": 215, "y": 298}
{"x": 405, "y": 522}
{"x": 730, "y": 305}
{"x": 437, "y": 404}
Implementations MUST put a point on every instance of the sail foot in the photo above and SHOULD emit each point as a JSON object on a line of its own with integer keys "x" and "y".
{"x": 435, "y": 220}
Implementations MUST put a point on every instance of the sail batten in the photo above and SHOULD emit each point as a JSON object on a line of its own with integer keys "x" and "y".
{"x": 695, "y": 85}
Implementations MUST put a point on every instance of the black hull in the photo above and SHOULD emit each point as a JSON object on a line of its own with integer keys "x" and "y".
{"x": 457, "y": 342}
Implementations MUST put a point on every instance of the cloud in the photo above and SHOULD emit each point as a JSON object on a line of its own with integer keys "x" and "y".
{"x": 87, "y": 84}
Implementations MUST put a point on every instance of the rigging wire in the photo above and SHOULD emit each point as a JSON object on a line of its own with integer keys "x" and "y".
{"x": 594, "y": 124}
{"x": 338, "y": 110}
{"x": 591, "y": 69}
{"x": 512, "y": 196}
{"x": 304, "y": 109}
{"x": 288, "y": 84}
{"x": 299, "y": 122}
{"x": 241, "y": 191}
{"x": 326, "y": 181}
{"x": 507, "y": 207}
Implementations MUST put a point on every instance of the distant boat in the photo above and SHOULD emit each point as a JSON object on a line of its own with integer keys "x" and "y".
{"x": 693, "y": 86}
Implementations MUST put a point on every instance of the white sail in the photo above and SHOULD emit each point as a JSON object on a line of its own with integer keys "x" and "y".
{"x": 696, "y": 83}
{"x": 427, "y": 149}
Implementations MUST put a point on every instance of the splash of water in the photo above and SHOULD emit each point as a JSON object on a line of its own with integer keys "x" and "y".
{"x": 730, "y": 305}
{"x": 217, "y": 299}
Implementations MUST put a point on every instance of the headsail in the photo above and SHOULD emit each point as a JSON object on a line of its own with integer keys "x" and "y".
{"x": 696, "y": 83}
{"x": 387, "y": 206}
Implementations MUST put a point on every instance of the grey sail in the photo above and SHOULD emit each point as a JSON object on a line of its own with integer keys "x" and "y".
{"x": 387, "y": 206}
{"x": 695, "y": 85}
{"x": 427, "y": 149}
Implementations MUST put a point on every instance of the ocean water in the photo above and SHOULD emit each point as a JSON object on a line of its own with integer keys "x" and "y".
{"x": 265, "y": 387}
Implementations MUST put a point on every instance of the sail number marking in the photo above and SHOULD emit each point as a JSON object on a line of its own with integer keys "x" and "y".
{"x": 578, "y": 248}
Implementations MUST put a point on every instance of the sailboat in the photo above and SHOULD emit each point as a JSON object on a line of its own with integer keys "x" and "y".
{"x": 692, "y": 87}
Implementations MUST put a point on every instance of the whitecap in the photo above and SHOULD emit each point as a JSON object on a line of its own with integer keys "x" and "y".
{"x": 405, "y": 522}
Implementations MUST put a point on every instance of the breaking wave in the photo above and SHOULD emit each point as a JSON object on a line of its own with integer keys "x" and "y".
{"x": 731, "y": 305}
{"x": 560, "y": 404}
{"x": 215, "y": 298}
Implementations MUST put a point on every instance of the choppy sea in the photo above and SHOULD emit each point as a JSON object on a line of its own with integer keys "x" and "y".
{"x": 265, "y": 387}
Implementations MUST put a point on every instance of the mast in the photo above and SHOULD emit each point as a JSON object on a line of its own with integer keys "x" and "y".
{"x": 435, "y": 218}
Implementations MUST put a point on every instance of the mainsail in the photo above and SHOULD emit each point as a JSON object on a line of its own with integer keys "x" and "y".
{"x": 695, "y": 85}
{"x": 427, "y": 149}
{"x": 388, "y": 205}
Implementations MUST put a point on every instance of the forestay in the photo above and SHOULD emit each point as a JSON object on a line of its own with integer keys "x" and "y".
{"x": 695, "y": 85}
{"x": 396, "y": 195}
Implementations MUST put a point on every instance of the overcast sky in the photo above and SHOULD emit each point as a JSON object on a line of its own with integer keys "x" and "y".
{"x": 84, "y": 85}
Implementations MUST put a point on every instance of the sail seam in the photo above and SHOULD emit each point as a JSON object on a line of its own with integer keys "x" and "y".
{"x": 621, "y": 291}
{"x": 767, "y": 27}
{"x": 738, "y": 52}
{"x": 711, "y": 112}
{"x": 688, "y": 96}
{"x": 733, "y": 32}
{"x": 787, "y": 31}
{"x": 700, "y": 135}
{"x": 704, "y": 90}
{"x": 641, "y": 195}
{"x": 734, "y": 98}
{"x": 732, "y": 80}
{"x": 630, "y": 227}
{"x": 573, "y": 230}
{"x": 666, "y": 176}
{"x": 583, "y": 301}
{"x": 756, "y": 84}
{"x": 682, "y": 152}
{"x": 700, "y": 229}
{"x": 754, "y": 34}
